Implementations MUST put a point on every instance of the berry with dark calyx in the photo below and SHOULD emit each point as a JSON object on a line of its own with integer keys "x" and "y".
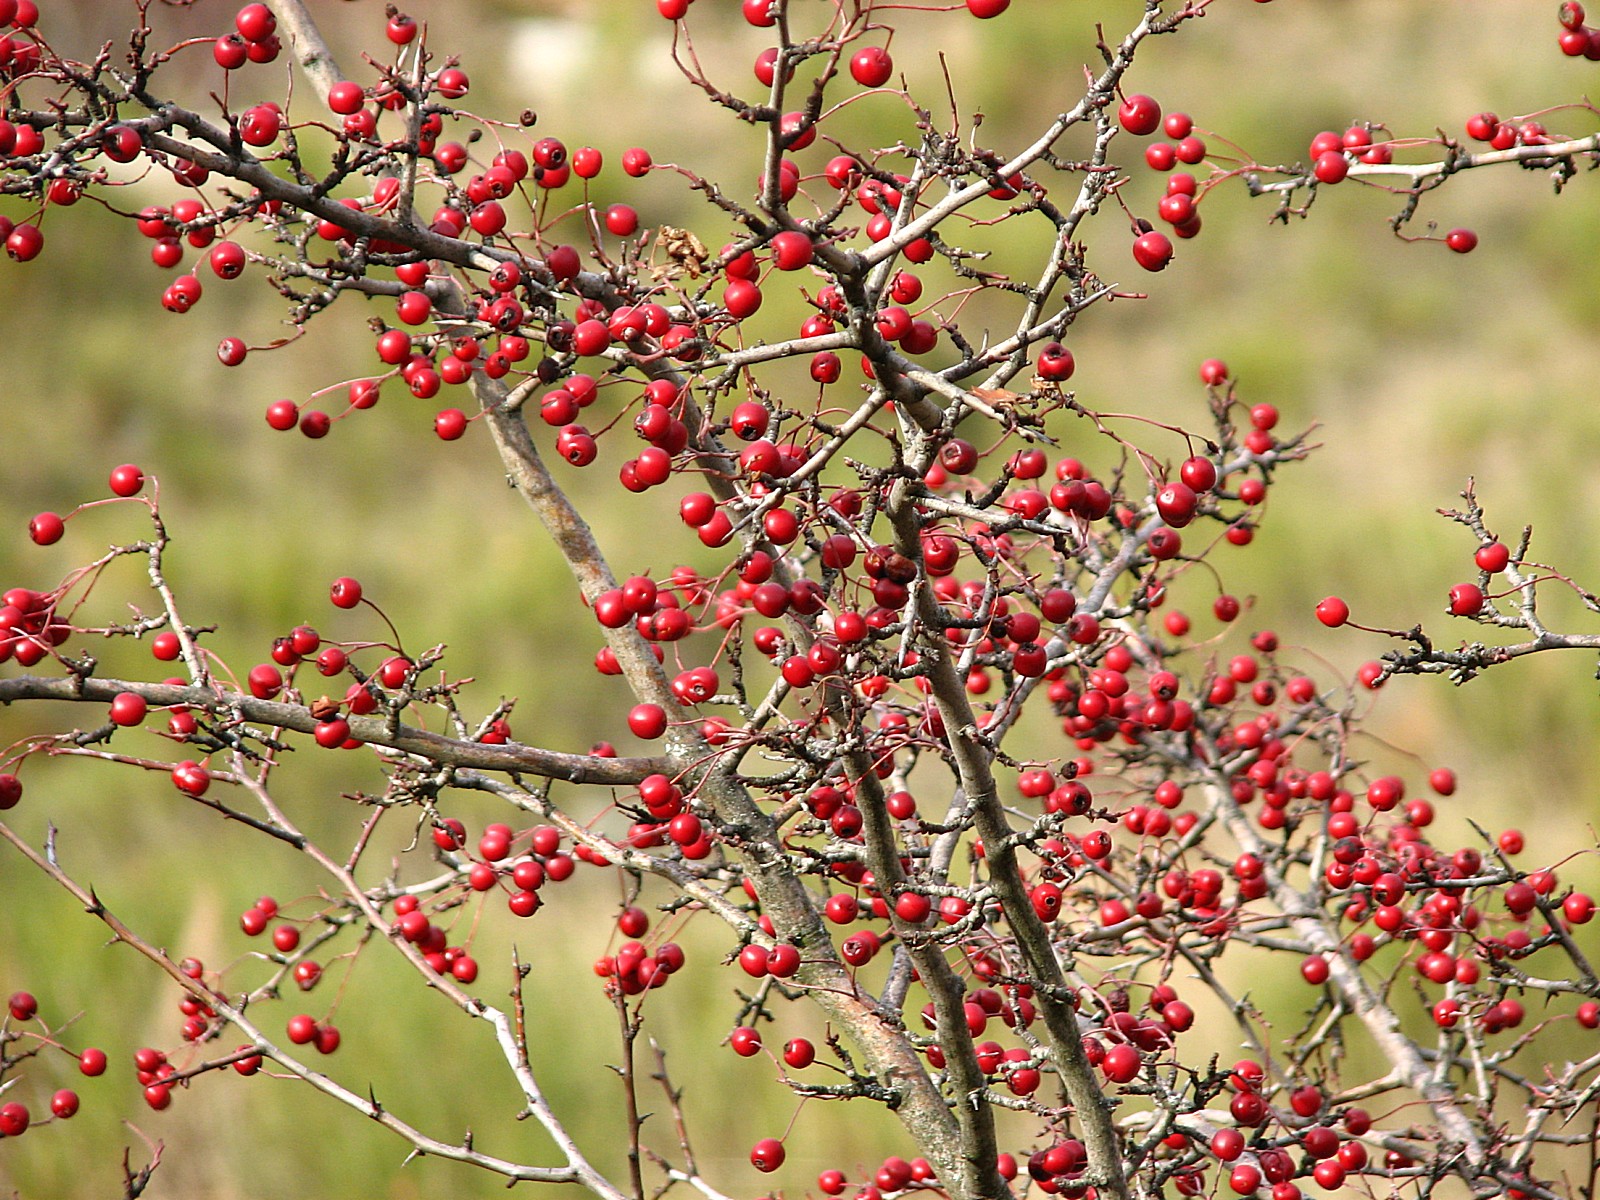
{"x": 750, "y": 420}
{"x": 345, "y": 592}
{"x": 767, "y": 1155}
{"x": 230, "y": 52}
{"x": 1055, "y": 363}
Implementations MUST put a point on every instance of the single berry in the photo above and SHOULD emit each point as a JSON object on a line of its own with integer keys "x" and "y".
{"x": 871, "y": 67}
{"x": 1152, "y": 251}
{"x": 126, "y": 480}
{"x": 1140, "y": 115}
{"x": 46, "y": 529}
{"x": 766, "y": 1155}
{"x": 1333, "y": 612}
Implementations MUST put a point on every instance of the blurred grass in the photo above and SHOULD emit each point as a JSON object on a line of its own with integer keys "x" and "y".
{"x": 1421, "y": 367}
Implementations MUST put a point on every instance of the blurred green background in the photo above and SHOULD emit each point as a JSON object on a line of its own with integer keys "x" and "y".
{"x": 1421, "y": 367}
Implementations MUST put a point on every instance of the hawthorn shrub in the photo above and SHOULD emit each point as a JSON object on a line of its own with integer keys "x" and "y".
{"x": 908, "y": 746}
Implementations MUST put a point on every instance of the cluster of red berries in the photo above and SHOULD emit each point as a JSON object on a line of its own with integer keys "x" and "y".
{"x": 1577, "y": 40}
{"x": 22, "y": 1008}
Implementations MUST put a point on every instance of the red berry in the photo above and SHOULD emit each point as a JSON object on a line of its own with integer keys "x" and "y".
{"x": 46, "y": 528}
{"x": 401, "y": 29}
{"x": 255, "y": 22}
{"x": 450, "y": 424}
{"x": 1227, "y": 1144}
{"x": 791, "y": 250}
{"x": 345, "y": 97}
{"x": 647, "y": 721}
{"x": 1121, "y": 1063}
{"x": 1462, "y": 241}
{"x": 128, "y": 708}
{"x": 230, "y": 52}
{"x": 24, "y": 243}
{"x": 871, "y": 67}
{"x": 1152, "y": 251}
{"x": 767, "y": 1155}
{"x": 1492, "y": 557}
{"x": 1333, "y": 612}
{"x": 1140, "y": 115}
{"x": 126, "y": 480}
{"x": 191, "y": 778}
{"x": 282, "y": 415}
{"x": 1331, "y": 166}
{"x": 453, "y": 83}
